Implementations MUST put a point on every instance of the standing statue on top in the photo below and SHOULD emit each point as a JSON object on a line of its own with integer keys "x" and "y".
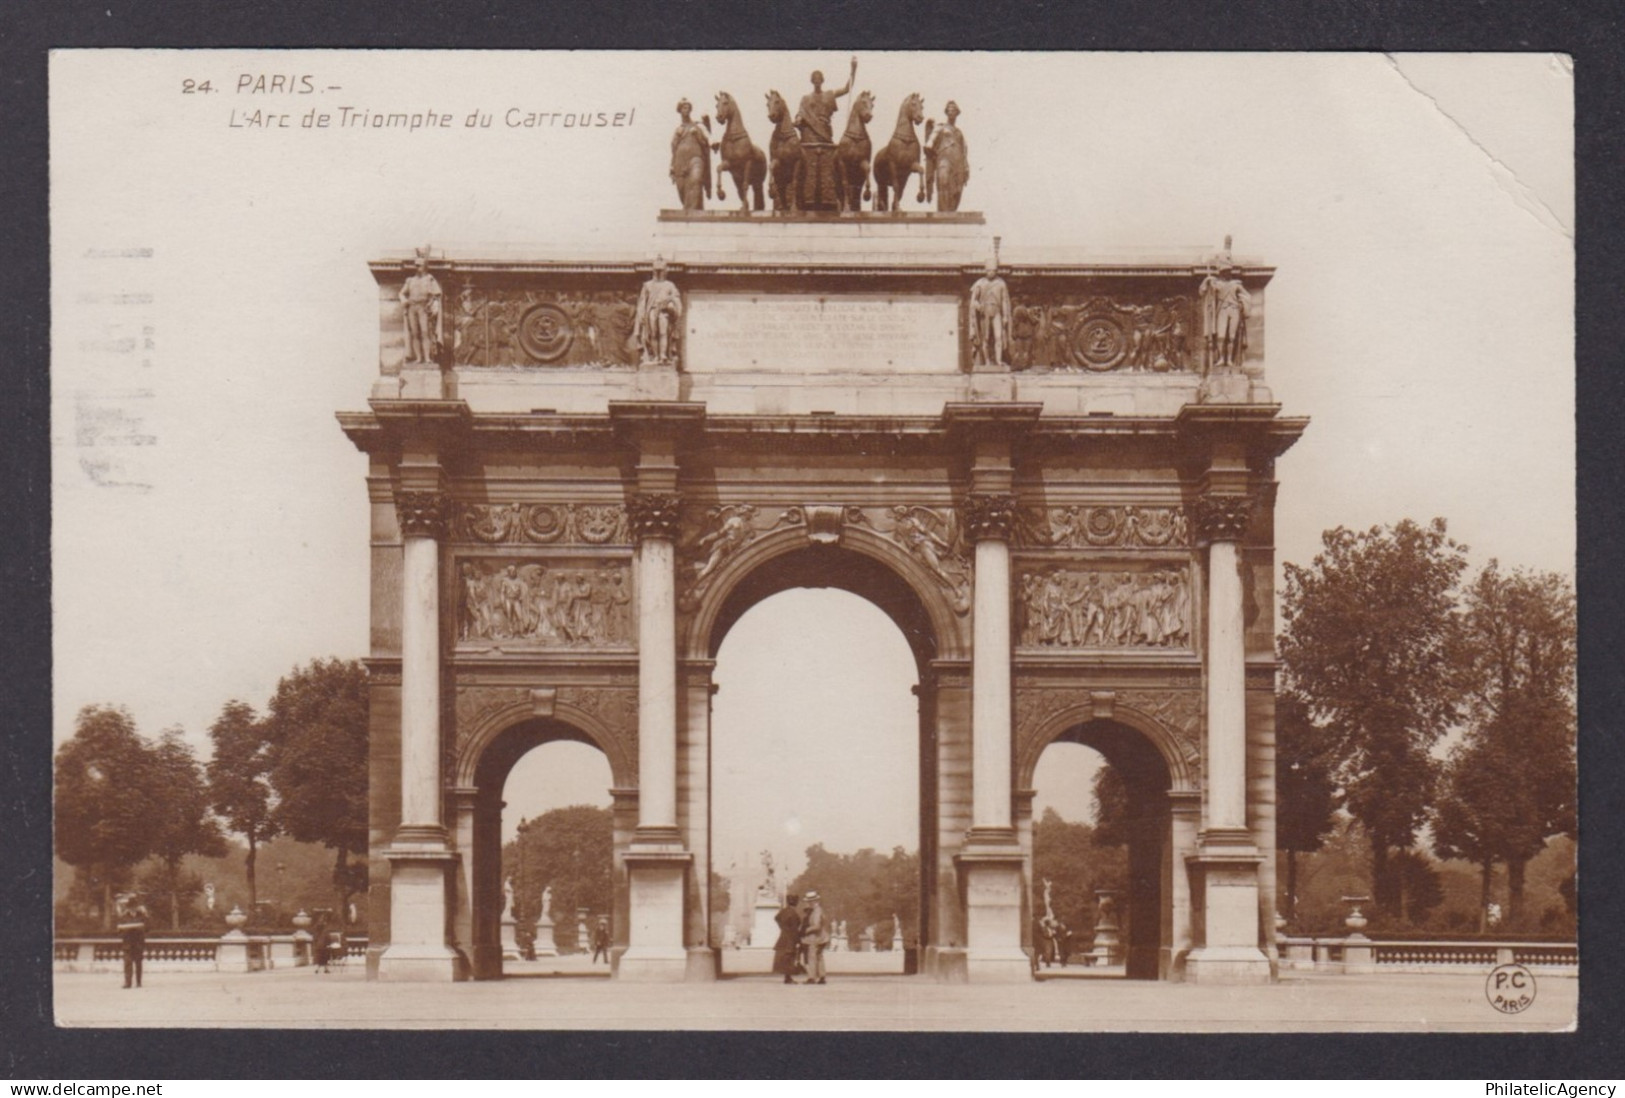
{"x": 1225, "y": 305}
{"x": 420, "y": 301}
{"x": 990, "y": 313}
{"x": 947, "y": 163}
{"x": 691, "y": 158}
{"x": 814, "y": 120}
{"x": 660, "y": 315}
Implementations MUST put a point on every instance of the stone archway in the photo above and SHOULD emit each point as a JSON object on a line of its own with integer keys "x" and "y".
{"x": 496, "y": 740}
{"x": 1160, "y": 764}
{"x": 866, "y": 565}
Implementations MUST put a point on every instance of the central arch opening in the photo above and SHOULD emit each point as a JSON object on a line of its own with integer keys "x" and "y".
{"x": 816, "y": 771}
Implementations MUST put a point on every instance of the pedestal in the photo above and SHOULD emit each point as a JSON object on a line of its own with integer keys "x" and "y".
{"x": 417, "y": 949}
{"x": 545, "y": 945}
{"x": 510, "y": 939}
{"x": 421, "y": 381}
{"x": 1225, "y": 869}
{"x": 232, "y": 955}
{"x": 991, "y": 878}
{"x": 764, "y": 927}
{"x": 655, "y": 952}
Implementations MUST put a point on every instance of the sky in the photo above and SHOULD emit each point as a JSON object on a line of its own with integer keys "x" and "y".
{"x": 212, "y": 309}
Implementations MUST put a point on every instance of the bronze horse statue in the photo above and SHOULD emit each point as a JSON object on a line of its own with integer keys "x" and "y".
{"x": 900, "y": 158}
{"x": 784, "y": 152}
{"x": 740, "y": 158}
{"x": 852, "y": 155}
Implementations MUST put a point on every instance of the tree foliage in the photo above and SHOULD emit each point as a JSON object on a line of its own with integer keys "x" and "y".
{"x": 865, "y": 889}
{"x": 1070, "y": 856}
{"x": 1373, "y": 644}
{"x": 105, "y": 803}
{"x": 1511, "y": 782}
{"x": 239, "y": 781}
{"x": 316, "y": 736}
{"x": 182, "y": 823}
{"x": 572, "y": 851}
{"x": 1306, "y": 795}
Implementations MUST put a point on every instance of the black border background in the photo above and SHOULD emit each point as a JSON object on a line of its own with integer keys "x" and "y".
{"x": 30, "y": 1045}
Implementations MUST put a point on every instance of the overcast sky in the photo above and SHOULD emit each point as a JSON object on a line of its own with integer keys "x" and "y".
{"x": 1419, "y": 210}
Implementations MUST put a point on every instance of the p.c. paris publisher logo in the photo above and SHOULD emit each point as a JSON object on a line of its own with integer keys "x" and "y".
{"x": 1510, "y": 988}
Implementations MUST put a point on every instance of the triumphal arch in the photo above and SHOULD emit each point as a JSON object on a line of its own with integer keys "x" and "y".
{"x": 1056, "y": 477}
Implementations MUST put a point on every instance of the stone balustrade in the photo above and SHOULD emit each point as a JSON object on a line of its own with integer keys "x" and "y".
{"x": 249, "y": 953}
{"x": 1309, "y": 954}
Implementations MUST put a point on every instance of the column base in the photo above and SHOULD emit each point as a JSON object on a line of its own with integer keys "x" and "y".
{"x": 404, "y": 963}
{"x": 419, "y": 873}
{"x": 1227, "y": 965}
{"x": 991, "y": 876}
{"x": 945, "y": 964}
{"x": 655, "y": 952}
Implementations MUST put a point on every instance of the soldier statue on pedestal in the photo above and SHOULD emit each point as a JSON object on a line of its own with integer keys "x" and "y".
{"x": 420, "y": 302}
{"x": 660, "y": 312}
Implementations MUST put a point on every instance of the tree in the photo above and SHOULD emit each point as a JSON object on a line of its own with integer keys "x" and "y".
{"x": 316, "y": 736}
{"x": 183, "y": 825}
{"x": 1070, "y": 856}
{"x": 1111, "y": 808}
{"x": 105, "y": 800}
{"x": 570, "y": 850}
{"x": 1520, "y": 763}
{"x": 1372, "y": 643}
{"x": 239, "y": 782}
{"x": 1306, "y": 797}
{"x": 865, "y": 889}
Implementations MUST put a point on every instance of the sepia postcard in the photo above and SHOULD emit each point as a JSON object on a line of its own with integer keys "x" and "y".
{"x": 1010, "y": 541}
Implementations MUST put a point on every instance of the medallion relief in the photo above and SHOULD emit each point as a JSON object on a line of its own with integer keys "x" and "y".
{"x": 1114, "y": 526}
{"x": 493, "y": 326}
{"x": 542, "y": 524}
{"x": 1100, "y": 333}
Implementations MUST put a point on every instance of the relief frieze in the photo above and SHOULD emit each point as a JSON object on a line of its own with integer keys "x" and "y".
{"x": 1073, "y": 608}
{"x": 541, "y": 524}
{"x": 530, "y": 603}
{"x": 493, "y": 326}
{"x": 1100, "y": 333}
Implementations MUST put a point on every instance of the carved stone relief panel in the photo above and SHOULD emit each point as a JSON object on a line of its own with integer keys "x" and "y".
{"x": 1114, "y": 526}
{"x": 500, "y": 326}
{"x": 1100, "y": 333}
{"x": 541, "y": 524}
{"x": 525, "y": 602}
{"x": 1075, "y": 608}
{"x": 615, "y": 708}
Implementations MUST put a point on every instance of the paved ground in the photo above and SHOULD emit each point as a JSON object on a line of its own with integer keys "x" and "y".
{"x": 298, "y": 998}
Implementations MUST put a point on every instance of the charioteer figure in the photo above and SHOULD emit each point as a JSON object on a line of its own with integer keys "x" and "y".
{"x": 814, "y": 120}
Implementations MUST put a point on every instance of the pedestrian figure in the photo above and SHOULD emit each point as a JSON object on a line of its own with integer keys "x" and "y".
{"x": 600, "y": 940}
{"x": 132, "y": 928}
{"x": 788, "y": 946}
{"x": 321, "y": 945}
{"x": 815, "y": 936}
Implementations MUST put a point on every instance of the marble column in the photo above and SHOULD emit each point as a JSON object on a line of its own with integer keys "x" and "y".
{"x": 657, "y": 863}
{"x": 1227, "y": 859}
{"x": 420, "y": 857}
{"x": 991, "y": 860}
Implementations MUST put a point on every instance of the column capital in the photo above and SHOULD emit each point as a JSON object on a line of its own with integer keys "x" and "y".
{"x": 989, "y": 515}
{"x": 1222, "y": 516}
{"x": 421, "y": 514}
{"x": 654, "y": 515}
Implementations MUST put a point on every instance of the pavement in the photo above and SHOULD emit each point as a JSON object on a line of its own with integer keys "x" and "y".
{"x": 560, "y": 997}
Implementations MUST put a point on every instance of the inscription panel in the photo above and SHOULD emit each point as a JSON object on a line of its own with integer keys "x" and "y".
{"x": 822, "y": 333}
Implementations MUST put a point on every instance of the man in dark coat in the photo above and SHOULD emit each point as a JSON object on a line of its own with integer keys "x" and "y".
{"x": 789, "y": 943}
{"x": 132, "y": 929}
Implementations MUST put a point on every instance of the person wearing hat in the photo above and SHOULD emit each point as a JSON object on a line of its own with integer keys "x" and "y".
{"x": 132, "y": 928}
{"x": 787, "y": 949}
{"x": 815, "y": 936}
